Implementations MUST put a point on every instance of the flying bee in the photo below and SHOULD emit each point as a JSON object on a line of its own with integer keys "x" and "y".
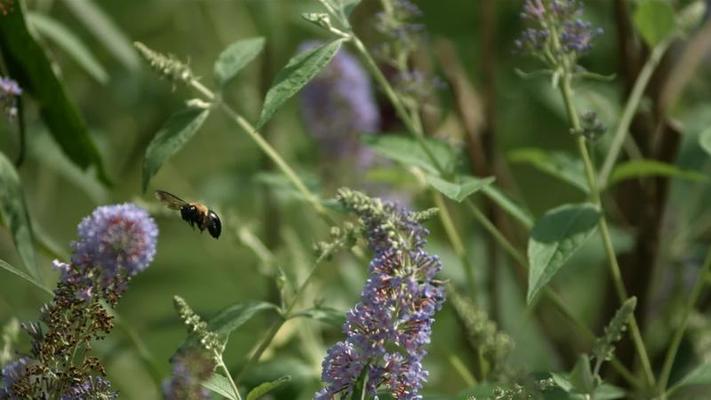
{"x": 193, "y": 213}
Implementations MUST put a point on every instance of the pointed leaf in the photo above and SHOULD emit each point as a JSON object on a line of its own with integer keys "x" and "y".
{"x": 13, "y": 270}
{"x": 655, "y": 21}
{"x": 105, "y": 30}
{"x": 14, "y": 213}
{"x": 295, "y": 75}
{"x": 463, "y": 187}
{"x": 508, "y": 205}
{"x": 406, "y": 150}
{"x": 29, "y": 65}
{"x": 701, "y": 375}
{"x": 176, "y": 132}
{"x": 556, "y": 236}
{"x": 70, "y": 43}
{"x": 581, "y": 377}
{"x": 556, "y": 164}
{"x": 267, "y": 387}
{"x": 705, "y": 140}
{"x": 235, "y": 57}
{"x": 221, "y": 385}
{"x": 643, "y": 168}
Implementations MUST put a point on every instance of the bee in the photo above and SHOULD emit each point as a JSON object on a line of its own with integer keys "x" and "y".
{"x": 193, "y": 213}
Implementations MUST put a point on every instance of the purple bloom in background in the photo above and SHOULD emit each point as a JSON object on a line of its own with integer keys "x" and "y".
{"x": 11, "y": 374}
{"x": 556, "y": 19}
{"x": 191, "y": 367}
{"x": 339, "y": 105}
{"x": 9, "y": 91}
{"x": 387, "y": 331}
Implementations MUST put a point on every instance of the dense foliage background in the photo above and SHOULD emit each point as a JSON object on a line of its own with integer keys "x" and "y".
{"x": 483, "y": 107}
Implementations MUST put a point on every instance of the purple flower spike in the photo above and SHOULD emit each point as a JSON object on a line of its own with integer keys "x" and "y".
{"x": 339, "y": 105}
{"x": 9, "y": 91}
{"x": 387, "y": 331}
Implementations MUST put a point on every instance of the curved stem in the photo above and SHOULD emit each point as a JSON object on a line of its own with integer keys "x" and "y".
{"x": 222, "y": 365}
{"x": 567, "y": 94}
{"x": 679, "y": 334}
{"x": 631, "y": 106}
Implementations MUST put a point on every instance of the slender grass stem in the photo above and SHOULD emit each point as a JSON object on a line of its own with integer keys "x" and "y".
{"x": 631, "y": 106}
{"x": 679, "y": 333}
{"x": 567, "y": 95}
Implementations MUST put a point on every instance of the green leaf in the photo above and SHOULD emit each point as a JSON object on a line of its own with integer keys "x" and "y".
{"x": 327, "y": 315}
{"x": 705, "y": 140}
{"x": 105, "y": 30}
{"x": 701, "y": 375}
{"x": 231, "y": 318}
{"x": 643, "y": 168}
{"x": 556, "y": 236}
{"x": 235, "y": 57}
{"x": 174, "y": 134}
{"x": 556, "y": 164}
{"x": 655, "y": 20}
{"x": 13, "y": 270}
{"x": 14, "y": 212}
{"x": 30, "y": 67}
{"x": 70, "y": 43}
{"x": 267, "y": 387}
{"x": 221, "y": 385}
{"x": 406, "y": 150}
{"x": 514, "y": 210}
{"x": 462, "y": 187}
{"x": 581, "y": 377}
{"x": 295, "y": 75}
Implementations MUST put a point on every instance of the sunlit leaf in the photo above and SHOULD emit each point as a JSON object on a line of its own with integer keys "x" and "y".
{"x": 644, "y": 168}
{"x": 105, "y": 30}
{"x": 295, "y": 75}
{"x": 231, "y": 318}
{"x": 655, "y": 20}
{"x": 235, "y": 57}
{"x": 13, "y": 270}
{"x": 406, "y": 150}
{"x": 556, "y": 236}
{"x": 14, "y": 213}
{"x": 267, "y": 387}
{"x": 176, "y": 132}
{"x": 221, "y": 385}
{"x": 461, "y": 188}
{"x": 70, "y": 43}
{"x": 30, "y": 67}
{"x": 556, "y": 164}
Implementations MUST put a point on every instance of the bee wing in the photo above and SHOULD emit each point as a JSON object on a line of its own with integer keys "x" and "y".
{"x": 170, "y": 200}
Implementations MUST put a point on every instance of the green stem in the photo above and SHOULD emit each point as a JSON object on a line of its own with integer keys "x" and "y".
{"x": 462, "y": 370}
{"x": 630, "y": 108}
{"x": 679, "y": 334}
{"x": 267, "y": 148}
{"x": 456, "y": 241}
{"x": 567, "y": 94}
{"x": 496, "y": 233}
{"x": 222, "y": 365}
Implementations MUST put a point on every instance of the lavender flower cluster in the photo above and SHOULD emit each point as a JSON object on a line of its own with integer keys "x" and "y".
{"x": 191, "y": 367}
{"x": 9, "y": 92}
{"x": 339, "y": 105}
{"x": 556, "y": 27}
{"x": 115, "y": 243}
{"x": 387, "y": 331}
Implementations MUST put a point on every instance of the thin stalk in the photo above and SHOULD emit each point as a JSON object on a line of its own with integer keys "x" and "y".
{"x": 462, "y": 370}
{"x": 456, "y": 241}
{"x": 267, "y": 148}
{"x": 496, "y": 233}
{"x": 222, "y": 365}
{"x": 679, "y": 334}
{"x": 567, "y": 95}
{"x": 631, "y": 106}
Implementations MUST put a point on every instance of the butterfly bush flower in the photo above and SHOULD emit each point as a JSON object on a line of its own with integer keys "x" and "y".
{"x": 388, "y": 330}
{"x": 339, "y": 105}
{"x": 556, "y": 32}
{"x": 9, "y": 92}
{"x": 115, "y": 243}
